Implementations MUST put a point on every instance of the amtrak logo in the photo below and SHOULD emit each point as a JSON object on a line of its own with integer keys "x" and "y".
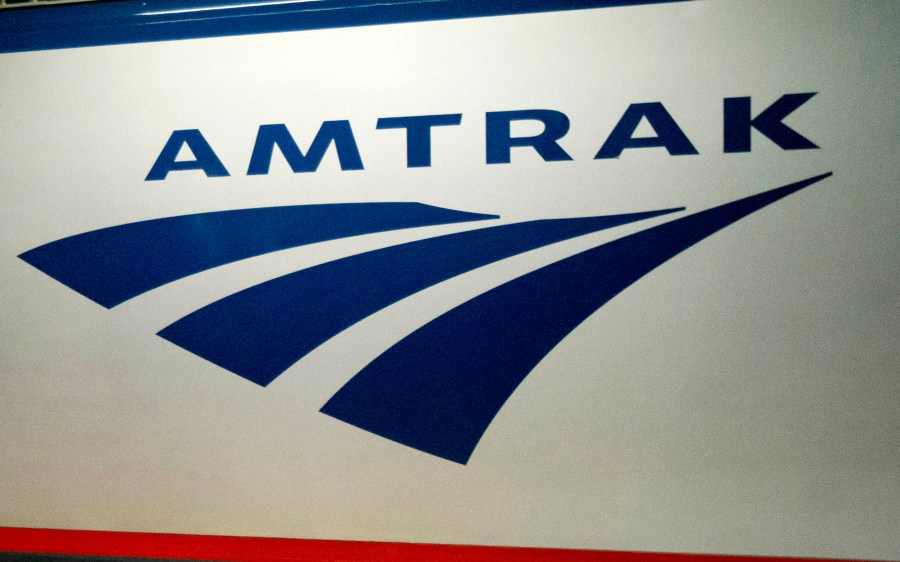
{"x": 437, "y": 389}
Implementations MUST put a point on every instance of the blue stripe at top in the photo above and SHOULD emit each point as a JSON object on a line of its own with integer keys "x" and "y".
{"x": 142, "y": 21}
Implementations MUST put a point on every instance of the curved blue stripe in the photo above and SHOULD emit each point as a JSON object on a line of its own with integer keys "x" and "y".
{"x": 139, "y": 21}
{"x": 438, "y": 389}
{"x": 112, "y": 265}
{"x": 261, "y": 331}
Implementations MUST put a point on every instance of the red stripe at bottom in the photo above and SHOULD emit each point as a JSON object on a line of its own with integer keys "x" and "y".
{"x": 253, "y": 549}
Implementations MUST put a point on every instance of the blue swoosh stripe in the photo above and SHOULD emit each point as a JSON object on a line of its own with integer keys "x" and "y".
{"x": 438, "y": 389}
{"x": 112, "y": 265}
{"x": 261, "y": 331}
{"x": 138, "y": 21}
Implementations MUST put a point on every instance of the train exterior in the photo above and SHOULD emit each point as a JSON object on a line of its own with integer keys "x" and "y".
{"x": 425, "y": 279}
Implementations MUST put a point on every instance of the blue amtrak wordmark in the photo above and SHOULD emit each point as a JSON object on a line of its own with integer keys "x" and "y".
{"x": 738, "y": 124}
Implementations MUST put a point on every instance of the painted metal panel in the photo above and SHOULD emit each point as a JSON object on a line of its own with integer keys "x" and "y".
{"x": 599, "y": 276}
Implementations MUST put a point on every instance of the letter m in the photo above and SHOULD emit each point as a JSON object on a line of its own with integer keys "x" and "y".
{"x": 337, "y": 132}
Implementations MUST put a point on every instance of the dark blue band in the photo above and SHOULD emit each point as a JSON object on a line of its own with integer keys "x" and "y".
{"x": 438, "y": 389}
{"x": 114, "y": 264}
{"x": 141, "y": 21}
{"x": 261, "y": 331}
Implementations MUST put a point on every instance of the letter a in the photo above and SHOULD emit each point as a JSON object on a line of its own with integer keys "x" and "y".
{"x": 204, "y": 157}
{"x": 669, "y": 133}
